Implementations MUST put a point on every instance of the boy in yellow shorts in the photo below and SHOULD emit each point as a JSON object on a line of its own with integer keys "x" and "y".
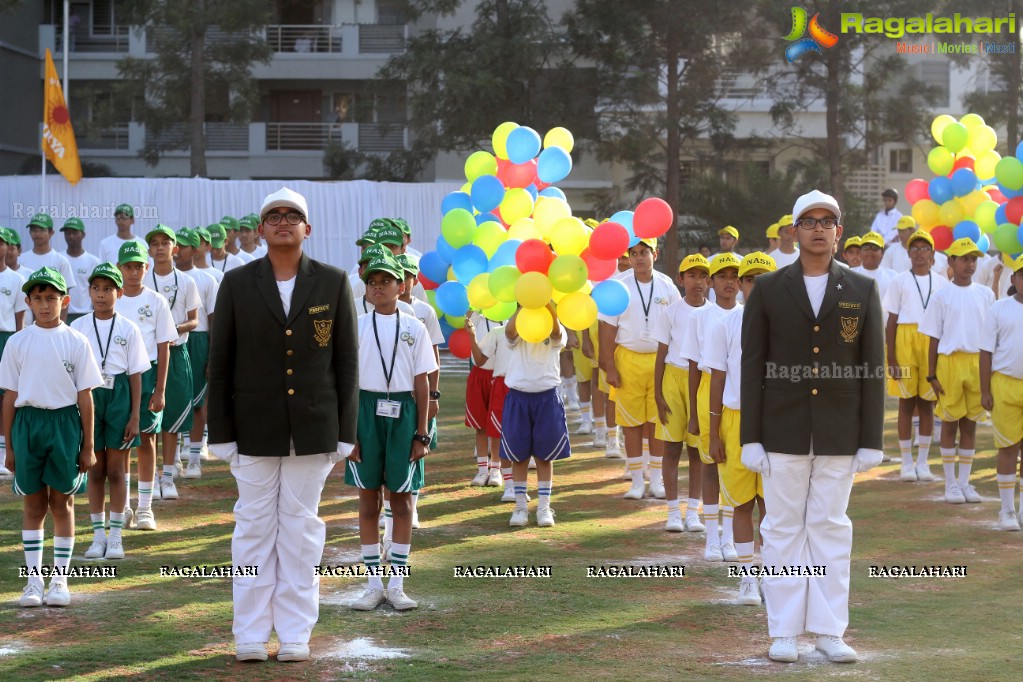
{"x": 1001, "y": 387}
{"x": 629, "y": 352}
{"x": 724, "y": 280}
{"x": 740, "y": 487}
{"x": 671, "y": 393}
{"x": 954, "y": 320}
{"x": 587, "y": 355}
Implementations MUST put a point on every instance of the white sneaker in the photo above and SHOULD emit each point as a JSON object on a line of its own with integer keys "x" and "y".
{"x": 835, "y": 649}
{"x": 749, "y": 592}
{"x": 519, "y": 517}
{"x": 657, "y": 490}
{"x": 728, "y": 552}
{"x": 168, "y": 491}
{"x": 115, "y": 549}
{"x": 1007, "y": 520}
{"x": 612, "y": 450}
{"x": 204, "y": 454}
{"x": 5, "y": 473}
{"x": 674, "y": 524}
{"x": 626, "y": 474}
{"x": 713, "y": 553}
{"x": 545, "y": 517}
{"x": 144, "y": 520}
{"x": 194, "y": 470}
{"x": 600, "y": 437}
{"x": 572, "y": 405}
{"x": 293, "y": 651}
{"x": 953, "y": 495}
{"x": 480, "y": 479}
{"x": 636, "y": 491}
{"x": 509, "y": 494}
{"x": 693, "y": 523}
{"x": 924, "y": 475}
{"x": 57, "y": 595}
{"x": 971, "y": 494}
{"x": 129, "y": 518}
{"x": 415, "y": 519}
{"x": 97, "y": 549}
{"x": 495, "y": 478}
{"x": 179, "y": 467}
{"x": 32, "y": 596}
{"x": 397, "y": 598}
{"x": 370, "y": 599}
{"x": 784, "y": 650}
{"x": 908, "y": 470}
{"x": 250, "y": 651}
{"x": 585, "y": 427}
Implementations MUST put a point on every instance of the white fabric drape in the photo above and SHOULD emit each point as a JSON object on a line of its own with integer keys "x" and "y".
{"x": 338, "y": 211}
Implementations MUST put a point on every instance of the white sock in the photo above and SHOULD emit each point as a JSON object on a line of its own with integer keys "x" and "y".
{"x": 646, "y": 454}
{"x": 415, "y": 501}
{"x": 371, "y": 558}
{"x": 710, "y": 520}
{"x": 116, "y": 524}
{"x": 673, "y": 506}
{"x": 62, "y": 549}
{"x": 543, "y": 493}
{"x": 168, "y": 471}
{"x": 520, "y": 494}
{"x": 1006, "y": 487}
{"x": 635, "y": 465}
{"x": 906, "y": 450}
{"x": 612, "y": 434}
{"x": 600, "y": 422}
{"x": 745, "y": 552}
{"x": 923, "y": 451}
{"x": 936, "y": 431}
{"x": 32, "y": 543}
{"x": 483, "y": 463}
{"x": 146, "y": 494}
{"x": 570, "y": 389}
{"x": 399, "y": 557}
{"x": 726, "y": 524}
{"x": 656, "y": 473}
{"x": 205, "y": 436}
{"x": 127, "y": 487}
{"x": 693, "y": 505}
{"x": 948, "y": 464}
{"x": 388, "y": 519}
{"x": 965, "y": 464}
{"x": 586, "y": 410}
{"x": 98, "y": 533}
{"x": 506, "y": 474}
{"x": 3, "y": 444}
{"x": 194, "y": 453}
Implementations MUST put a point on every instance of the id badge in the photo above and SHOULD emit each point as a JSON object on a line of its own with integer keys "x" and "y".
{"x": 645, "y": 335}
{"x": 388, "y": 408}
{"x": 108, "y": 381}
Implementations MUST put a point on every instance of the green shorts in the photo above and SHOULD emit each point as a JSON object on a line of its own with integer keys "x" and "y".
{"x": 385, "y": 445}
{"x": 46, "y": 448}
{"x": 71, "y": 317}
{"x": 112, "y": 410}
{"x": 177, "y": 408}
{"x": 433, "y": 433}
{"x": 149, "y": 421}
{"x": 198, "y": 356}
{"x": 4, "y": 337}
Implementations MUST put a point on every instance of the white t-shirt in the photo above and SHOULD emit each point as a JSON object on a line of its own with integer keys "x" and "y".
{"x": 956, "y": 317}
{"x": 364, "y": 307}
{"x": 883, "y": 277}
{"x": 783, "y": 259}
{"x": 212, "y": 272}
{"x": 985, "y": 275}
{"x": 425, "y": 313}
{"x": 723, "y": 352}
{"x": 208, "y": 287}
{"x": 358, "y": 286}
{"x": 885, "y": 224}
{"x": 816, "y": 286}
{"x": 229, "y": 263}
{"x": 636, "y": 327}
{"x": 700, "y": 320}
{"x": 242, "y": 255}
{"x": 124, "y": 346}
{"x": 82, "y": 266}
{"x": 413, "y": 357}
{"x": 48, "y": 367}
{"x": 286, "y": 289}
{"x": 12, "y": 299}
{"x": 32, "y": 261}
{"x": 419, "y": 292}
{"x": 896, "y": 258}
{"x": 1003, "y": 337}
{"x": 181, "y": 293}
{"x": 495, "y": 346}
{"x": 248, "y": 257}
{"x": 150, "y": 312}
{"x": 482, "y": 325}
{"x": 534, "y": 367}
{"x": 110, "y": 247}
{"x": 671, "y": 331}
{"x": 906, "y": 298}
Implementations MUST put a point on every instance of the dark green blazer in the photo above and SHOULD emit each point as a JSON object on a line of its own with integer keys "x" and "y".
{"x": 813, "y": 376}
{"x": 276, "y": 378}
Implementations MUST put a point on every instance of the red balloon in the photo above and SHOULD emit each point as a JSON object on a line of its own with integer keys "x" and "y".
{"x": 653, "y": 217}
{"x": 541, "y": 185}
{"x": 609, "y": 240}
{"x": 459, "y": 344}
{"x": 517, "y": 174}
{"x": 942, "y": 235}
{"x": 599, "y": 269}
{"x": 916, "y": 190}
{"x": 427, "y": 283}
{"x": 996, "y": 195}
{"x": 962, "y": 162}
{"x": 533, "y": 255}
{"x": 1014, "y": 210}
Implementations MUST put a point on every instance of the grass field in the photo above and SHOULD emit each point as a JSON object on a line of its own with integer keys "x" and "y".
{"x": 567, "y": 626}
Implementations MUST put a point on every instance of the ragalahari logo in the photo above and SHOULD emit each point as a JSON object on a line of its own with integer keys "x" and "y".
{"x": 819, "y": 36}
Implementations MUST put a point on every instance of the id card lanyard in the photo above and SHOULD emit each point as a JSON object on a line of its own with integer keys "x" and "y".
{"x": 99, "y": 342}
{"x": 930, "y": 288}
{"x": 645, "y": 303}
{"x": 388, "y": 373}
{"x": 156, "y": 286}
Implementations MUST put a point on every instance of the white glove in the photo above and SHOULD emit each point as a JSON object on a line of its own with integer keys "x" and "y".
{"x": 866, "y": 459}
{"x": 343, "y": 451}
{"x": 226, "y": 452}
{"x": 754, "y": 458}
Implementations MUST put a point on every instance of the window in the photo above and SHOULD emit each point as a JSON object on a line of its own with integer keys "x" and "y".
{"x": 935, "y": 74}
{"x": 900, "y": 161}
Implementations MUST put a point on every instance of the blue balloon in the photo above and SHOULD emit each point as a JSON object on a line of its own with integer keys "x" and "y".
{"x": 470, "y": 260}
{"x": 967, "y": 228}
{"x": 1019, "y": 150}
{"x": 446, "y": 251}
{"x": 532, "y": 191}
{"x": 523, "y": 144}
{"x": 940, "y": 189}
{"x": 1000, "y": 217}
{"x": 553, "y": 165}
{"x": 623, "y": 218}
{"x": 553, "y": 192}
{"x": 505, "y": 254}
{"x": 984, "y": 243}
{"x": 433, "y": 266}
{"x": 611, "y": 297}
{"x": 486, "y": 218}
{"x": 452, "y": 298}
{"x": 1019, "y": 236}
{"x": 1009, "y": 193}
{"x": 487, "y": 193}
{"x": 963, "y": 182}
{"x": 456, "y": 200}
{"x": 446, "y": 329}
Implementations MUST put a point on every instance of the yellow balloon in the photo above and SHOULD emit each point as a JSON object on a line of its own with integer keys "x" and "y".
{"x": 925, "y": 212}
{"x": 557, "y": 296}
{"x": 559, "y": 137}
{"x": 938, "y": 126}
{"x": 534, "y": 324}
{"x": 524, "y": 229}
{"x": 569, "y": 236}
{"x": 972, "y": 121}
{"x": 516, "y": 205}
{"x": 478, "y": 291}
{"x": 451, "y": 275}
{"x": 972, "y": 200}
{"x": 533, "y": 290}
{"x": 479, "y": 164}
{"x": 981, "y": 139}
{"x": 488, "y": 237}
{"x": 467, "y": 188}
{"x": 549, "y": 210}
{"x": 577, "y": 311}
{"x": 500, "y": 139}
{"x": 950, "y": 213}
{"x": 984, "y": 164}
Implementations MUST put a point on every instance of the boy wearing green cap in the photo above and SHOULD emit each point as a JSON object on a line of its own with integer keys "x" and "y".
{"x": 42, "y": 255}
{"x": 219, "y": 257}
{"x": 249, "y": 250}
{"x": 12, "y": 309}
{"x": 201, "y": 254}
{"x": 82, "y": 264}
{"x": 110, "y": 247}
{"x": 231, "y": 227}
{"x": 148, "y": 310}
{"x": 48, "y": 374}
{"x": 119, "y": 350}
{"x": 14, "y": 253}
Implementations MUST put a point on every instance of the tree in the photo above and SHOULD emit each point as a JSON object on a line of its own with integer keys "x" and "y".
{"x": 191, "y": 70}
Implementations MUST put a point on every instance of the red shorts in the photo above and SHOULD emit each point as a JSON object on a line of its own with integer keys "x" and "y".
{"x": 477, "y": 397}
{"x": 497, "y": 396}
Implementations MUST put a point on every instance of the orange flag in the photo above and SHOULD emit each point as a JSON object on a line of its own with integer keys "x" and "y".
{"x": 58, "y": 136}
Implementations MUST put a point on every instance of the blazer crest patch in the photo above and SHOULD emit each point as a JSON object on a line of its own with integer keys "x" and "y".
{"x": 850, "y": 328}
{"x": 322, "y": 331}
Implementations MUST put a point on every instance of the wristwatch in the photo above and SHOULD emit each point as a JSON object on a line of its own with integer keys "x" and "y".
{"x": 423, "y": 438}
{"x": 435, "y": 395}
{"x": 931, "y": 378}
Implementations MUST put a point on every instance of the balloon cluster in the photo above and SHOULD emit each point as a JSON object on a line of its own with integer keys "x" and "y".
{"x": 508, "y": 238}
{"x": 977, "y": 193}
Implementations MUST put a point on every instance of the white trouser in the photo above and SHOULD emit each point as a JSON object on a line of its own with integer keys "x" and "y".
{"x": 806, "y": 497}
{"x": 278, "y": 530}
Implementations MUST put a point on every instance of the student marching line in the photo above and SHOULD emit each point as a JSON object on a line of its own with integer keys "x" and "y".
{"x": 13, "y": 305}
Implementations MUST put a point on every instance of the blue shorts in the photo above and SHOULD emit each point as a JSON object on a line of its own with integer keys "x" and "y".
{"x": 534, "y": 425}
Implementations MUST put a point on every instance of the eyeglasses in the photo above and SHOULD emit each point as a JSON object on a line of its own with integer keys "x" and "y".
{"x": 919, "y": 248}
{"x": 811, "y": 223}
{"x": 276, "y": 218}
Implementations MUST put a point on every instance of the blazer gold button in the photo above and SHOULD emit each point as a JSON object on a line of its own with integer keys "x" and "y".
{"x": 290, "y": 352}
{"x": 813, "y": 392}
{"x": 816, "y": 327}
{"x": 291, "y": 371}
{"x": 814, "y": 370}
{"x": 816, "y": 349}
{"x": 291, "y": 391}
{"x": 287, "y": 332}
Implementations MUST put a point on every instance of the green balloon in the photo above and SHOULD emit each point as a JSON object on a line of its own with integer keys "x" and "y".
{"x": 1009, "y": 172}
{"x": 500, "y": 311}
{"x": 940, "y": 161}
{"x": 502, "y": 283}
{"x": 568, "y": 273}
{"x": 984, "y": 216}
{"x": 1007, "y": 239}
{"x": 955, "y": 137}
{"x": 458, "y": 227}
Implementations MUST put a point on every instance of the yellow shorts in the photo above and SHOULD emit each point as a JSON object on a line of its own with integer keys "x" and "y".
{"x": 959, "y": 376}
{"x": 602, "y": 384}
{"x": 1007, "y": 415}
{"x": 583, "y": 365}
{"x": 675, "y": 389}
{"x": 911, "y": 355}
{"x": 703, "y": 418}
{"x": 634, "y": 399}
{"x": 738, "y": 484}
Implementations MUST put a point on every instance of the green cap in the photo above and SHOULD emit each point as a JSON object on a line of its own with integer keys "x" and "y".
{"x": 383, "y": 264}
{"x": 187, "y": 237}
{"x": 379, "y": 224}
{"x": 73, "y": 224}
{"x": 390, "y": 235}
{"x": 367, "y": 239}
{"x": 409, "y": 263}
{"x": 253, "y": 218}
{"x": 41, "y": 220}
{"x": 46, "y": 276}
{"x": 108, "y": 271}
{"x": 6, "y": 235}
{"x": 229, "y": 223}
{"x": 247, "y": 223}
{"x": 161, "y": 229}
{"x": 126, "y": 209}
{"x": 12, "y": 237}
{"x": 203, "y": 234}
{"x": 374, "y": 251}
{"x": 218, "y": 235}
{"x": 131, "y": 252}
{"x": 402, "y": 225}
